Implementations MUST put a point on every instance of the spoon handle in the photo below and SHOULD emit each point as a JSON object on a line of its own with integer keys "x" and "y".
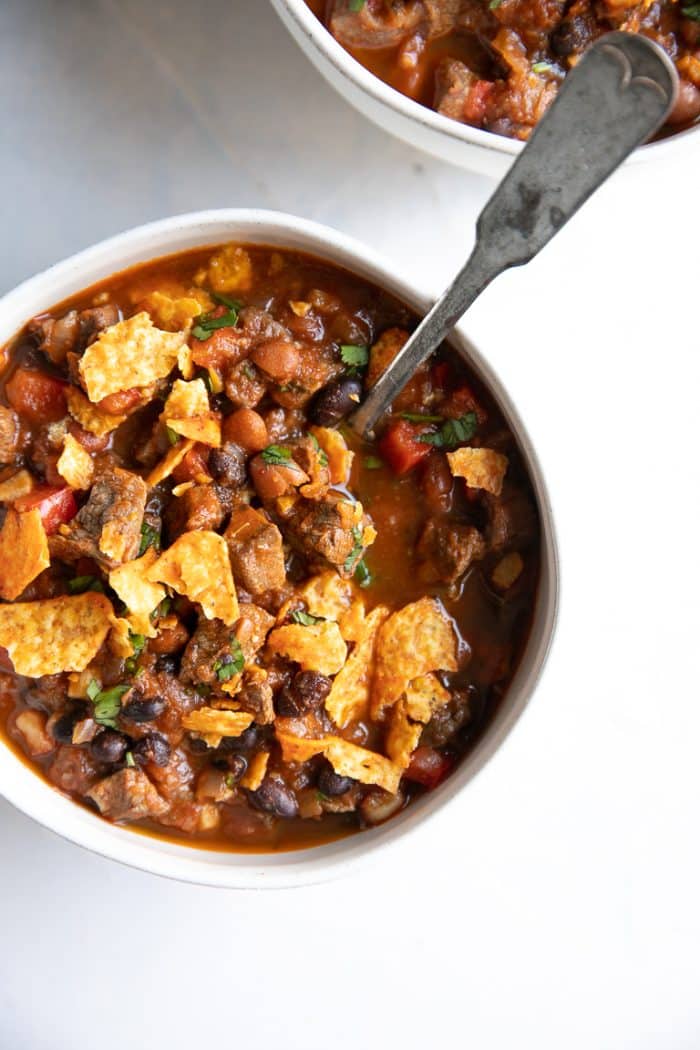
{"x": 616, "y": 97}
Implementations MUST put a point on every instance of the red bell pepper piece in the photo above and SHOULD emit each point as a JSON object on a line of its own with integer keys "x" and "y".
{"x": 38, "y": 397}
{"x": 55, "y": 505}
{"x": 400, "y": 447}
{"x": 428, "y": 767}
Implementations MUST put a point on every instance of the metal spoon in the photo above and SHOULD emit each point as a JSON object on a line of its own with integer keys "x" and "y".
{"x": 616, "y": 97}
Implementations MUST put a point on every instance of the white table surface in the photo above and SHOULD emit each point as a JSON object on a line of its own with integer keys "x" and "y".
{"x": 556, "y": 905}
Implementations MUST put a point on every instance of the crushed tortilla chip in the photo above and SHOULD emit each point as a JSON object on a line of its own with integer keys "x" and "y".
{"x": 482, "y": 468}
{"x": 220, "y": 723}
{"x": 318, "y": 647}
{"x": 172, "y": 314}
{"x": 198, "y": 566}
{"x": 299, "y": 307}
{"x": 255, "y": 773}
{"x": 337, "y": 453}
{"x": 172, "y": 459}
{"x": 188, "y": 413}
{"x": 55, "y": 634}
{"x": 139, "y": 594}
{"x": 183, "y": 487}
{"x": 20, "y": 484}
{"x": 230, "y": 270}
{"x": 414, "y": 640}
{"x": 119, "y": 639}
{"x": 91, "y": 417}
{"x": 185, "y": 361}
{"x": 75, "y": 465}
{"x": 328, "y": 595}
{"x": 24, "y": 551}
{"x": 507, "y": 571}
{"x": 353, "y": 623}
{"x": 348, "y": 760}
{"x": 131, "y": 353}
{"x": 403, "y": 735}
{"x": 348, "y": 700}
{"x": 423, "y": 697}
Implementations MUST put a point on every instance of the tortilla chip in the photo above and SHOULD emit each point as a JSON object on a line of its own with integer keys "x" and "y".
{"x": 413, "y": 641}
{"x": 348, "y": 700}
{"x": 172, "y": 314}
{"x": 353, "y": 623}
{"x": 197, "y": 565}
{"x": 507, "y": 571}
{"x": 383, "y": 353}
{"x": 220, "y": 723}
{"x": 131, "y": 353}
{"x": 185, "y": 361}
{"x": 255, "y": 773}
{"x": 90, "y": 417}
{"x": 230, "y": 270}
{"x": 167, "y": 465}
{"x": 337, "y": 453}
{"x": 119, "y": 639}
{"x": 328, "y": 595}
{"x": 55, "y": 634}
{"x": 403, "y": 735}
{"x": 482, "y": 468}
{"x": 318, "y": 647}
{"x": 75, "y": 465}
{"x": 349, "y": 760}
{"x": 20, "y": 484}
{"x": 423, "y": 697}
{"x": 188, "y": 413}
{"x": 24, "y": 551}
{"x": 139, "y": 594}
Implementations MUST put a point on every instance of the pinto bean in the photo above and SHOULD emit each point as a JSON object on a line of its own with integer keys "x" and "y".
{"x": 90, "y": 442}
{"x": 246, "y": 428}
{"x": 120, "y": 402}
{"x": 277, "y": 358}
{"x": 687, "y": 105}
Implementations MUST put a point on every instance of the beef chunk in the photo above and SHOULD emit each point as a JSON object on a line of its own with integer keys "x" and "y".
{"x": 127, "y": 795}
{"x": 108, "y": 527}
{"x": 210, "y": 643}
{"x": 9, "y": 435}
{"x": 255, "y": 696}
{"x": 244, "y": 384}
{"x": 72, "y": 770}
{"x": 453, "y": 82}
{"x": 255, "y": 547}
{"x": 324, "y": 530}
{"x": 447, "y": 549}
{"x": 512, "y": 519}
{"x": 448, "y": 719}
{"x": 198, "y": 508}
{"x": 48, "y": 693}
{"x": 375, "y": 25}
{"x": 252, "y": 629}
{"x": 57, "y": 337}
{"x": 174, "y": 779}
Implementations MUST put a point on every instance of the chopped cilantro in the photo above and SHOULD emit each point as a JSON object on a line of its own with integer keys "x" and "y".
{"x": 173, "y": 436}
{"x": 542, "y": 67}
{"x": 305, "y": 618}
{"x": 226, "y": 300}
{"x": 354, "y": 356}
{"x": 322, "y": 457}
{"x": 692, "y": 11}
{"x": 150, "y": 537}
{"x": 202, "y": 689}
{"x": 206, "y": 324}
{"x": 373, "y": 463}
{"x": 205, "y": 376}
{"x": 417, "y": 417}
{"x": 320, "y": 797}
{"x": 162, "y": 610}
{"x": 452, "y": 432}
{"x": 81, "y": 584}
{"x": 276, "y": 454}
{"x": 356, "y": 5}
{"x": 356, "y": 551}
{"x": 231, "y": 663}
{"x": 230, "y": 781}
{"x": 362, "y": 573}
{"x": 138, "y": 641}
{"x": 494, "y": 4}
{"x": 107, "y": 703}
{"x": 129, "y": 759}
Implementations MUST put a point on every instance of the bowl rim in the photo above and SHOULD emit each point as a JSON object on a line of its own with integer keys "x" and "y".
{"x": 383, "y": 94}
{"x": 236, "y": 870}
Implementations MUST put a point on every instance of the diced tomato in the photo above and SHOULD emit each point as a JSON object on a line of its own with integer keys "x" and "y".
{"x": 121, "y": 401}
{"x": 36, "y": 396}
{"x": 461, "y": 401}
{"x": 440, "y": 374}
{"x": 476, "y": 102}
{"x": 56, "y": 505}
{"x": 224, "y": 347}
{"x": 400, "y": 447}
{"x": 428, "y": 767}
{"x": 193, "y": 465}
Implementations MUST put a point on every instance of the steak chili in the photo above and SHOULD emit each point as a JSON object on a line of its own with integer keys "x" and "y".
{"x": 497, "y": 65}
{"x": 225, "y": 619}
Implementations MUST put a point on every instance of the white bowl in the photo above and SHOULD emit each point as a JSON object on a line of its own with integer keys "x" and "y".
{"x": 460, "y": 144}
{"x": 33, "y": 796}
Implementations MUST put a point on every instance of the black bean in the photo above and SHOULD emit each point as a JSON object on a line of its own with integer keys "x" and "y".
{"x": 153, "y": 747}
{"x": 142, "y": 709}
{"x": 237, "y": 765}
{"x": 273, "y": 796}
{"x": 332, "y": 784}
{"x": 306, "y": 692}
{"x": 245, "y": 742}
{"x": 168, "y": 663}
{"x": 108, "y": 746}
{"x": 227, "y": 464}
{"x": 63, "y": 727}
{"x": 335, "y": 401}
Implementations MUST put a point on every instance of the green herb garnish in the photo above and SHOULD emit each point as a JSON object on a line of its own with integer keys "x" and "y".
{"x": 230, "y": 781}
{"x": 206, "y": 324}
{"x": 356, "y": 551}
{"x": 150, "y": 537}
{"x": 226, "y": 300}
{"x": 452, "y": 432}
{"x": 417, "y": 417}
{"x": 362, "y": 573}
{"x": 81, "y": 584}
{"x": 356, "y": 5}
{"x": 129, "y": 759}
{"x": 354, "y": 356}
{"x": 692, "y": 11}
{"x": 203, "y": 374}
{"x": 305, "y": 618}
{"x": 373, "y": 463}
{"x": 202, "y": 689}
{"x": 161, "y": 610}
{"x": 230, "y": 664}
{"x": 494, "y": 4}
{"x": 543, "y": 67}
{"x": 276, "y": 454}
{"x": 322, "y": 457}
{"x": 173, "y": 436}
{"x": 107, "y": 703}
{"x": 138, "y": 642}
